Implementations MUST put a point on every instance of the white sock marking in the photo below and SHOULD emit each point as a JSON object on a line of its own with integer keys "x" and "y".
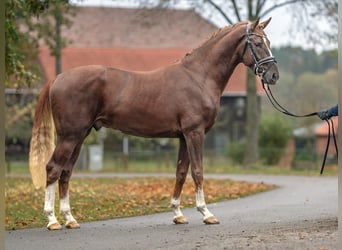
{"x": 200, "y": 204}
{"x": 65, "y": 209}
{"x": 49, "y": 204}
{"x": 175, "y": 204}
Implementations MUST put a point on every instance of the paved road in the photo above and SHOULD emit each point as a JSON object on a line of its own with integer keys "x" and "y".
{"x": 301, "y": 214}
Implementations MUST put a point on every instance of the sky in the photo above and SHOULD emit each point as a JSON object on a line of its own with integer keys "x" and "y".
{"x": 279, "y": 31}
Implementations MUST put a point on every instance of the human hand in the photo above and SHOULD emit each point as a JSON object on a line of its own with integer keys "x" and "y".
{"x": 324, "y": 114}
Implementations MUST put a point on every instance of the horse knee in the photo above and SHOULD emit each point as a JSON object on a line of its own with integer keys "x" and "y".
{"x": 181, "y": 177}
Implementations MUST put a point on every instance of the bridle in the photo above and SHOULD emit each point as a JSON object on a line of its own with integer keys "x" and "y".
{"x": 257, "y": 62}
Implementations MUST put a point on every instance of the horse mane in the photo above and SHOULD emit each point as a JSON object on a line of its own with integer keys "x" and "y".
{"x": 216, "y": 35}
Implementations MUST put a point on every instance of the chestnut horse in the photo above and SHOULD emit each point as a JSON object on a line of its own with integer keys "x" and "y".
{"x": 177, "y": 101}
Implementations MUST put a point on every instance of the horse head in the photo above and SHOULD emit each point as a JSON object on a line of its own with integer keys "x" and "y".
{"x": 260, "y": 57}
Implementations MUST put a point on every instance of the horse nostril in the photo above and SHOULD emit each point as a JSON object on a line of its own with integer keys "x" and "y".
{"x": 275, "y": 76}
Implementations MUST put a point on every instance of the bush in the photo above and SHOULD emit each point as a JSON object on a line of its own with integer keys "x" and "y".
{"x": 274, "y": 133}
{"x": 236, "y": 151}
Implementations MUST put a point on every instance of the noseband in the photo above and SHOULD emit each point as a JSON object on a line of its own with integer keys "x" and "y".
{"x": 257, "y": 62}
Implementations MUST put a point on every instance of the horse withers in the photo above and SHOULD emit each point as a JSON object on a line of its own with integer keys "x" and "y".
{"x": 178, "y": 101}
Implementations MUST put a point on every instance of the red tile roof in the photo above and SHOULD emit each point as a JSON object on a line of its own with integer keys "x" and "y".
{"x": 323, "y": 129}
{"x": 137, "y": 28}
{"x": 131, "y": 59}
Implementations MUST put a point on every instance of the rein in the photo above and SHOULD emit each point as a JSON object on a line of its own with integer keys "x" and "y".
{"x": 330, "y": 123}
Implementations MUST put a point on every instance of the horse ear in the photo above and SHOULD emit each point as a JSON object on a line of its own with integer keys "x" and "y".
{"x": 265, "y": 23}
{"x": 254, "y": 24}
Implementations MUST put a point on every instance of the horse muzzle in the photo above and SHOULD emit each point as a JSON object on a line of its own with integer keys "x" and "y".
{"x": 268, "y": 72}
{"x": 271, "y": 76}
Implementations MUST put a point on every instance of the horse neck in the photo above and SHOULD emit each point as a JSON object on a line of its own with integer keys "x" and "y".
{"x": 217, "y": 58}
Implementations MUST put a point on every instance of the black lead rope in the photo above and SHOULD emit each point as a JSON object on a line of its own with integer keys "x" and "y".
{"x": 330, "y": 123}
{"x": 281, "y": 109}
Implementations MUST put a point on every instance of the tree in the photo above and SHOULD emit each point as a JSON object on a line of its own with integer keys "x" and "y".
{"x": 26, "y": 22}
{"x": 17, "y": 42}
{"x": 22, "y": 33}
{"x": 49, "y": 26}
{"x": 274, "y": 136}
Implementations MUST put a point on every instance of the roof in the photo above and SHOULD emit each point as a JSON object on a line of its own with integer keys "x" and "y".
{"x": 132, "y": 59}
{"x": 137, "y": 28}
{"x": 323, "y": 129}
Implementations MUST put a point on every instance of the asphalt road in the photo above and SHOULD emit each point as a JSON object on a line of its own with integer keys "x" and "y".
{"x": 300, "y": 214}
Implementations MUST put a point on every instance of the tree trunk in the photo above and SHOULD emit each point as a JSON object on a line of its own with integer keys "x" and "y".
{"x": 252, "y": 124}
{"x": 58, "y": 48}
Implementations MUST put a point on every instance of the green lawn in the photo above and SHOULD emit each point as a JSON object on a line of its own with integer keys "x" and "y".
{"x": 153, "y": 166}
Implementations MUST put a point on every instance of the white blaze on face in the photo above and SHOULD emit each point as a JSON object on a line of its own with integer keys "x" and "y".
{"x": 268, "y": 48}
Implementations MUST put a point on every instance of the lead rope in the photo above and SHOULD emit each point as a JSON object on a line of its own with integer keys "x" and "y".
{"x": 329, "y": 122}
{"x": 281, "y": 109}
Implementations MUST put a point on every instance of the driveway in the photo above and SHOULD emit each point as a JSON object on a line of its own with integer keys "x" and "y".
{"x": 301, "y": 214}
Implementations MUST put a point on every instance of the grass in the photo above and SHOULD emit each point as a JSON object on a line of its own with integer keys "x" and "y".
{"x": 102, "y": 199}
{"x": 219, "y": 167}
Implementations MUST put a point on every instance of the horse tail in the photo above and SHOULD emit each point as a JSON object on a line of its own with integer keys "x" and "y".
{"x": 42, "y": 140}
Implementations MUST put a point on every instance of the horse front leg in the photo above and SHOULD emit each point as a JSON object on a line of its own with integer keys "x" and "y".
{"x": 181, "y": 173}
{"x": 195, "y": 143}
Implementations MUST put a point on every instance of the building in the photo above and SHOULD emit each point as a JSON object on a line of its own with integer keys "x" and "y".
{"x": 321, "y": 136}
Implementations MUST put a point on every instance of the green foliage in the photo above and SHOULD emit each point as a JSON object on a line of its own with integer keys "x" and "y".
{"x": 298, "y": 60}
{"x": 18, "y": 11}
{"x": 236, "y": 151}
{"x": 317, "y": 91}
{"x": 308, "y": 82}
{"x": 22, "y": 31}
{"x": 274, "y": 135}
{"x": 19, "y": 111}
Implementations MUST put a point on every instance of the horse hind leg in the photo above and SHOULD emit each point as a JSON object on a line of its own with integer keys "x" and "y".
{"x": 65, "y": 210}
{"x": 49, "y": 207}
{"x": 182, "y": 170}
{"x": 54, "y": 171}
{"x": 63, "y": 185}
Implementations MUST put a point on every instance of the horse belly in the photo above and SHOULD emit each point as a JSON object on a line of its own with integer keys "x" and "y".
{"x": 145, "y": 125}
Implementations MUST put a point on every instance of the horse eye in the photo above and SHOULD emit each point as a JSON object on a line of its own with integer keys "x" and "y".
{"x": 259, "y": 45}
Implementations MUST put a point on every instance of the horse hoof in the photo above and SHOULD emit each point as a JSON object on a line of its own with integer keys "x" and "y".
{"x": 211, "y": 220}
{"x": 180, "y": 220}
{"x": 55, "y": 226}
{"x": 72, "y": 225}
